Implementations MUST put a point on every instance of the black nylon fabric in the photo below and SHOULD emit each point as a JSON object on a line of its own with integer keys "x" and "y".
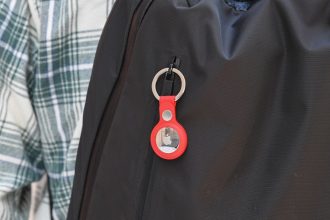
{"x": 256, "y": 110}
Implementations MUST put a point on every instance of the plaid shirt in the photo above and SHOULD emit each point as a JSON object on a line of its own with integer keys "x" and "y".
{"x": 46, "y": 55}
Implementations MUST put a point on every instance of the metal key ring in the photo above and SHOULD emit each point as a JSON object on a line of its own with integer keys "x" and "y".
{"x": 162, "y": 71}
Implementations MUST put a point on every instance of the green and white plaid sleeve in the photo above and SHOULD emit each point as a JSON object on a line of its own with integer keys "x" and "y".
{"x": 46, "y": 55}
{"x": 20, "y": 146}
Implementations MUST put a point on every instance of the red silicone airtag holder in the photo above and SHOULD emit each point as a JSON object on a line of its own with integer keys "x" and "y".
{"x": 168, "y": 103}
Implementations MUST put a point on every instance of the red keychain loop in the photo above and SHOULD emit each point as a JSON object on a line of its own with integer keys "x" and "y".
{"x": 168, "y": 138}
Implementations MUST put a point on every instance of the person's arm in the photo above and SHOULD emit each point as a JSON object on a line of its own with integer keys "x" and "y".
{"x": 20, "y": 148}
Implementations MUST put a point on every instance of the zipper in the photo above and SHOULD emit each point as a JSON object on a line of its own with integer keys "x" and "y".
{"x": 107, "y": 117}
{"x": 168, "y": 87}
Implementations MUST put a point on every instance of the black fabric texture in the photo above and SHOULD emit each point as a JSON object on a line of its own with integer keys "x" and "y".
{"x": 256, "y": 110}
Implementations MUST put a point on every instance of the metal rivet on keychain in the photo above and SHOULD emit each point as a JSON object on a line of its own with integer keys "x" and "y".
{"x": 168, "y": 138}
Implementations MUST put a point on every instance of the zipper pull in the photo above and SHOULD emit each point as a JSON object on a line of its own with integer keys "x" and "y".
{"x": 169, "y": 79}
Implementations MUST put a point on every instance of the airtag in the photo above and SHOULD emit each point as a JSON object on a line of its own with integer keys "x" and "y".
{"x": 168, "y": 138}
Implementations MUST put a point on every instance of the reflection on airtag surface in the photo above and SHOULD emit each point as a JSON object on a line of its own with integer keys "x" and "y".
{"x": 167, "y": 140}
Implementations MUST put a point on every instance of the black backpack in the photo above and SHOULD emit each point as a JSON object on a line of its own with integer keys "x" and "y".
{"x": 256, "y": 111}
